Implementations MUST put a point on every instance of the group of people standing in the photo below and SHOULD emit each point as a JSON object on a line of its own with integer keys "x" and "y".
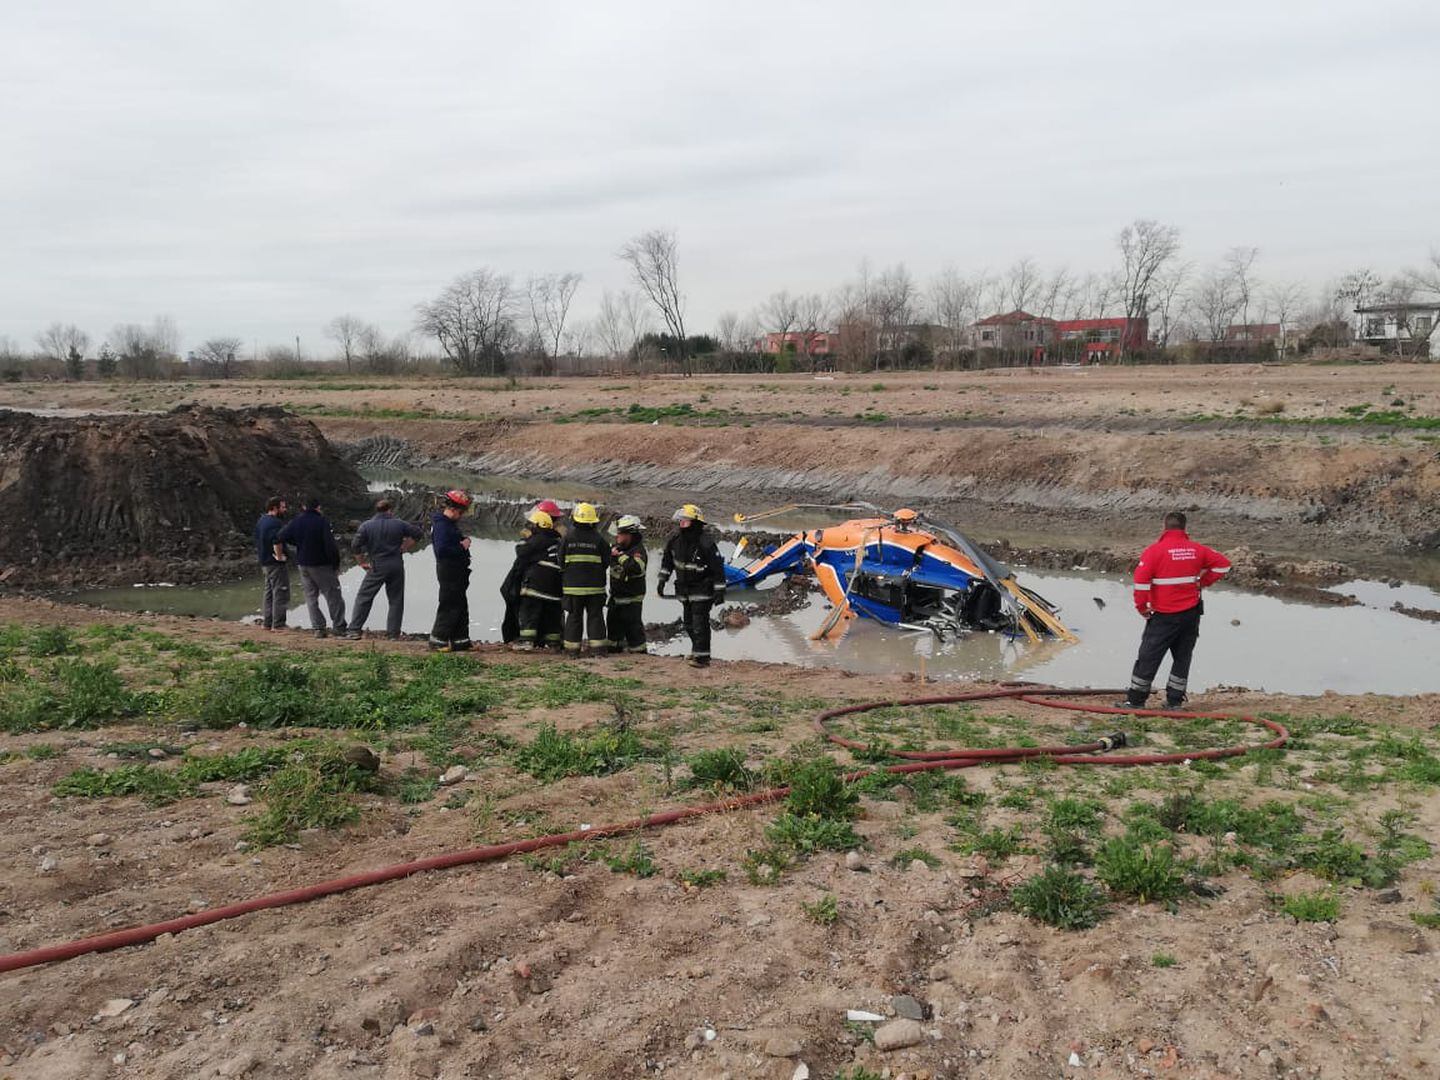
{"x": 570, "y": 587}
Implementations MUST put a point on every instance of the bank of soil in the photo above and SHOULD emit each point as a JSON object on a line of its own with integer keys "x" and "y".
{"x": 166, "y": 497}
{"x": 513, "y": 969}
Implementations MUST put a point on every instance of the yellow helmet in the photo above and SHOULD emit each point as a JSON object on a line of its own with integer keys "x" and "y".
{"x": 689, "y": 510}
{"x": 540, "y": 518}
{"x": 585, "y": 514}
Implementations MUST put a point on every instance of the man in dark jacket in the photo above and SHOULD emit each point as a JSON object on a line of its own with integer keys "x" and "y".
{"x": 275, "y": 599}
{"x": 692, "y": 557}
{"x": 451, "y": 548}
{"x": 380, "y": 545}
{"x": 628, "y": 562}
{"x": 584, "y": 559}
{"x": 537, "y": 571}
{"x": 318, "y": 557}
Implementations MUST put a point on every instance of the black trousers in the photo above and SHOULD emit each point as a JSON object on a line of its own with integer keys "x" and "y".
{"x": 540, "y": 620}
{"x": 627, "y": 626}
{"x": 697, "y": 624}
{"x": 585, "y": 613}
{"x": 452, "y": 612}
{"x": 1175, "y": 634}
{"x": 390, "y": 576}
{"x": 510, "y": 623}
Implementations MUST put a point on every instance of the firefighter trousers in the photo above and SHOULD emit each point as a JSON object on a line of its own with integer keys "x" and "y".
{"x": 697, "y": 626}
{"x": 585, "y": 614}
{"x": 540, "y": 620}
{"x": 452, "y": 613}
{"x": 1165, "y": 632}
{"x": 627, "y": 626}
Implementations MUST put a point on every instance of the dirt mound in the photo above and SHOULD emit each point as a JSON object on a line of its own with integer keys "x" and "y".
{"x": 107, "y": 497}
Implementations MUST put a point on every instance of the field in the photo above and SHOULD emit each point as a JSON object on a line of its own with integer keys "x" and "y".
{"x": 1269, "y": 915}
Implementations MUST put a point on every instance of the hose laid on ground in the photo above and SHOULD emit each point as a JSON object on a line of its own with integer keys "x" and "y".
{"x": 915, "y": 761}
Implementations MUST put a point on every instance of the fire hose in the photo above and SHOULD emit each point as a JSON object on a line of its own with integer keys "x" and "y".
{"x": 1097, "y": 752}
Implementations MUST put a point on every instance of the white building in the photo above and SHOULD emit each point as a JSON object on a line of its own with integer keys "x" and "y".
{"x": 1407, "y": 329}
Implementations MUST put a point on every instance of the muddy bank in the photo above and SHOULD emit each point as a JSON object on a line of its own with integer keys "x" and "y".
{"x": 153, "y": 497}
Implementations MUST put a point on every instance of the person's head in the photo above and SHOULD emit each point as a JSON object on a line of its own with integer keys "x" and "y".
{"x": 383, "y": 506}
{"x": 688, "y": 517}
{"x": 455, "y": 504}
{"x": 540, "y": 519}
{"x": 1175, "y": 520}
{"x": 275, "y": 505}
{"x": 627, "y": 530}
{"x": 585, "y": 514}
{"x": 311, "y": 502}
{"x": 551, "y": 507}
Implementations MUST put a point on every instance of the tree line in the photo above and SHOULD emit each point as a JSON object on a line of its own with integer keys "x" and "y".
{"x": 485, "y": 322}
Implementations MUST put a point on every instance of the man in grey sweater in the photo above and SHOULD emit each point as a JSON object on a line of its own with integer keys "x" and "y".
{"x": 380, "y": 545}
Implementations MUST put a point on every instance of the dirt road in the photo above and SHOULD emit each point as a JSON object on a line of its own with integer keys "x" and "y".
{"x": 669, "y": 958}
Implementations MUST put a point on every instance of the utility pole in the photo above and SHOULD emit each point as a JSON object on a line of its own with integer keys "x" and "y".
{"x": 297, "y": 348}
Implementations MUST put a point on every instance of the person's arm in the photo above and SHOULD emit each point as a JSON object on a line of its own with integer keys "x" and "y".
{"x": 667, "y": 567}
{"x": 360, "y": 546}
{"x": 716, "y": 562}
{"x": 1214, "y": 567}
{"x": 1144, "y": 574}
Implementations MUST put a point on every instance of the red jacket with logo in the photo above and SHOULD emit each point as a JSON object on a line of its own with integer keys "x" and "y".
{"x": 1172, "y": 572}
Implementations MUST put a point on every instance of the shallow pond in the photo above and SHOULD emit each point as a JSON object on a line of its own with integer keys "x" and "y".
{"x": 1246, "y": 639}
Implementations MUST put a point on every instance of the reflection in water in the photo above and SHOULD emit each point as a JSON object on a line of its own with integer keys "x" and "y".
{"x": 1246, "y": 639}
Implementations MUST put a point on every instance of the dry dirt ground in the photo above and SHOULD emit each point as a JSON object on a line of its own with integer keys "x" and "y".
{"x": 567, "y": 968}
{"x": 1339, "y": 462}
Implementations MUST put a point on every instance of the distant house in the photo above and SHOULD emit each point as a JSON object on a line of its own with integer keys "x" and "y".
{"x": 1407, "y": 329}
{"x": 803, "y": 343}
{"x": 1041, "y": 340}
{"x": 1252, "y": 333}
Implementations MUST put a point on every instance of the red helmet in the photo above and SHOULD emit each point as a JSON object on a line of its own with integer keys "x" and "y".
{"x": 548, "y": 505}
{"x": 456, "y": 497}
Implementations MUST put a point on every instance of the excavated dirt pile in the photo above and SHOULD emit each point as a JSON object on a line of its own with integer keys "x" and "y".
{"x": 154, "y": 497}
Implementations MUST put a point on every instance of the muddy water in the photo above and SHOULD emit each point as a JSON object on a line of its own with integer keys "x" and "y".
{"x": 1246, "y": 639}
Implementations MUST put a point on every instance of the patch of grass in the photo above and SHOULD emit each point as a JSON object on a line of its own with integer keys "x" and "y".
{"x": 763, "y": 866}
{"x": 416, "y": 787}
{"x": 553, "y": 755}
{"x": 722, "y": 770}
{"x": 806, "y": 835}
{"x": 635, "y": 859}
{"x": 1067, "y": 848}
{"x": 823, "y": 912}
{"x": 241, "y": 766}
{"x": 995, "y": 844}
{"x": 156, "y": 786}
{"x": 314, "y": 790}
{"x": 51, "y": 641}
{"x": 699, "y": 879}
{"x": 1163, "y": 960}
{"x": 1074, "y": 814}
{"x": 1312, "y": 906}
{"x": 1060, "y": 898}
{"x": 1145, "y": 871}
{"x": 818, "y": 789}
{"x": 905, "y": 856}
{"x": 41, "y": 751}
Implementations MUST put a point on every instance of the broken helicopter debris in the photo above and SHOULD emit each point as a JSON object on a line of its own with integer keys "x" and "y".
{"x": 903, "y": 570}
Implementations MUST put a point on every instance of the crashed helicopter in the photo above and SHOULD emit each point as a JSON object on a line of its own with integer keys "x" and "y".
{"x": 902, "y": 570}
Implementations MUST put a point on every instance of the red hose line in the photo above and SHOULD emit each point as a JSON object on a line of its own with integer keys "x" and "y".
{"x": 914, "y": 761}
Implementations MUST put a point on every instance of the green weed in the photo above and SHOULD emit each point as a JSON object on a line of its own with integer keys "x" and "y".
{"x": 1145, "y": 871}
{"x": 823, "y": 912}
{"x": 554, "y": 755}
{"x": 699, "y": 879}
{"x": 1312, "y": 907}
{"x": 763, "y": 866}
{"x": 635, "y": 860}
{"x": 1060, "y": 898}
{"x": 1163, "y": 960}
{"x": 905, "y": 856}
{"x": 720, "y": 769}
{"x": 314, "y": 790}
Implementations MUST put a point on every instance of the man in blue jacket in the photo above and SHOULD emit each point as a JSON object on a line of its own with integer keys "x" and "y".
{"x": 275, "y": 599}
{"x": 380, "y": 545}
{"x": 318, "y": 557}
{"x": 451, "y": 548}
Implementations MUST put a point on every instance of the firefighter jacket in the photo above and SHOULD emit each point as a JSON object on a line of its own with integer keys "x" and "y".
{"x": 537, "y": 558}
{"x": 584, "y": 558}
{"x": 1172, "y": 572}
{"x": 696, "y": 563}
{"x": 627, "y": 574}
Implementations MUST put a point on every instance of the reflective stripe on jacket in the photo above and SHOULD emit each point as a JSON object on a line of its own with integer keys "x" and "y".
{"x": 696, "y": 563}
{"x": 584, "y": 559}
{"x": 1172, "y": 572}
{"x": 538, "y": 560}
{"x": 627, "y": 575}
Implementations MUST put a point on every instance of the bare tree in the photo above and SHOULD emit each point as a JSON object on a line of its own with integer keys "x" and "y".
{"x": 57, "y": 341}
{"x": 1146, "y": 248}
{"x": 346, "y": 331}
{"x": 654, "y": 261}
{"x": 955, "y": 303}
{"x": 1287, "y": 298}
{"x": 549, "y": 297}
{"x": 218, "y": 354}
{"x": 623, "y": 320}
{"x": 812, "y": 317}
{"x": 727, "y": 332}
{"x": 1213, "y": 301}
{"x": 145, "y": 351}
{"x": 779, "y": 315}
{"x": 1050, "y": 294}
{"x": 473, "y": 319}
{"x": 1022, "y": 283}
{"x": 892, "y": 301}
{"x": 1239, "y": 263}
{"x": 1166, "y": 305}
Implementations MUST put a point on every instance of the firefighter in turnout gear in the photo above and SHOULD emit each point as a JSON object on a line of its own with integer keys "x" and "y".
{"x": 699, "y": 571}
{"x": 537, "y": 567}
{"x": 628, "y": 563}
{"x": 451, "y": 547}
{"x": 1168, "y": 580}
{"x": 584, "y": 560}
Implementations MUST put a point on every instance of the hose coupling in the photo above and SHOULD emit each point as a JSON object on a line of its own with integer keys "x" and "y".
{"x": 1113, "y": 742}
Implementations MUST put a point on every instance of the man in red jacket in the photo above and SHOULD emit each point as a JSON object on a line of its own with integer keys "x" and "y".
{"x": 1168, "y": 581}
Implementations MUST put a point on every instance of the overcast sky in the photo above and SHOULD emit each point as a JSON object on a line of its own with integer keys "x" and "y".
{"x": 254, "y": 169}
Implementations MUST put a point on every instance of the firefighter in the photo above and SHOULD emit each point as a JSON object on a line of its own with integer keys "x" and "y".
{"x": 699, "y": 578}
{"x": 537, "y": 568}
{"x": 1168, "y": 580}
{"x": 451, "y": 548}
{"x": 628, "y": 563}
{"x": 584, "y": 560}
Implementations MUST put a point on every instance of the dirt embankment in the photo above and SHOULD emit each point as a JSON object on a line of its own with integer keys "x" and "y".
{"x": 124, "y": 498}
